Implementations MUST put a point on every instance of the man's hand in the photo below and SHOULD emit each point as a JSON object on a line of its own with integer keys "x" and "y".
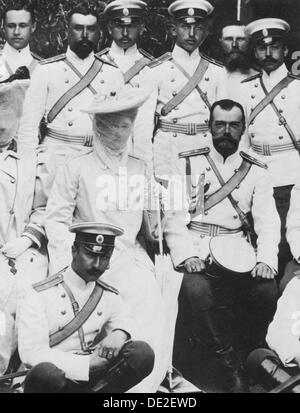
{"x": 194, "y": 264}
{"x": 110, "y": 347}
{"x": 97, "y": 363}
{"x": 262, "y": 270}
{"x": 17, "y": 247}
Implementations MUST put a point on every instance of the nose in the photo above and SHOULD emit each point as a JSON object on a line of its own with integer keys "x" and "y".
{"x": 17, "y": 30}
{"x": 268, "y": 51}
{"x": 97, "y": 261}
{"x": 192, "y": 31}
{"x": 84, "y": 33}
{"x": 125, "y": 31}
{"x": 234, "y": 43}
{"x": 227, "y": 128}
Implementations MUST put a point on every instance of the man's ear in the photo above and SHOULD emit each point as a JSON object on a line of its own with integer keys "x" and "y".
{"x": 172, "y": 30}
{"x": 142, "y": 29}
{"x": 74, "y": 250}
{"x": 285, "y": 51}
{"x": 109, "y": 29}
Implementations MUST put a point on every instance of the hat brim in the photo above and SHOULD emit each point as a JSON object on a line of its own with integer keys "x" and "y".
{"x": 97, "y": 228}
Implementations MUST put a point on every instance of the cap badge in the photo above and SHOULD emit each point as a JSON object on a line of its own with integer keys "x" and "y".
{"x": 265, "y": 32}
{"x": 125, "y": 12}
{"x": 100, "y": 239}
{"x": 191, "y": 12}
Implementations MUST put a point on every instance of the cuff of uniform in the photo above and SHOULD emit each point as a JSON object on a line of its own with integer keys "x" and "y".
{"x": 179, "y": 257}
{"x": 34, "y": 233}
{"x": 271, "y": 261}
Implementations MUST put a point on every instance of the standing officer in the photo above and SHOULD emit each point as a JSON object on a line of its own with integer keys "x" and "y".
{"x": 234, "y": 285}
{"x": 74, "y": 330}
{"x": 272, "y": 101}
{"x": 125, "y": 26}
{"x": 19, "y": 24}
{"x": 65, "y": 84}
{"x": 188, "y": 83}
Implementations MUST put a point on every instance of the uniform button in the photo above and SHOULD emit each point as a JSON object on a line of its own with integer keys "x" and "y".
{"x": 256, "y": 85}
{"x": 11, "y": 212}
{"x": 67, "y": 81}
{"x": 236, "y": 170}
{"x": 235, "y": 217}
{"x": 237, "y": 187}
{"x": 205, "y": 135}
{"x": 63, "y": 312}
{"x": 70, "y": 109}
{"x": 205, "y": 213}
{"x": 174, "y": 135}
{"x": 172, "y": 80}
{"x": 208, "y": 169}
{"x": 283, "y": 97}
{"x": 202, "y": 236}
{"x": 99, "y": 313}
{"x": 174, "y": 93}
{"x": 13, "y": 181}
{"x": 70, "y": 123}
{"x": 174, "y": 120}
{"x": 252, "y": 96}
{"x": 172, "y": 67}
{"x": 252, "y": 135}
{"x": 206, "y": 121}
{"x": 102, "y": 81}
{"x": 280, "y": 110}
{"x": 207, "y": 79}
{"x": 63, "y": 295}
{"x": 280, "y": 137}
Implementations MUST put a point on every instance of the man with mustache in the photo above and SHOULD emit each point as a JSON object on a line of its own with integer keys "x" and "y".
{"x": 125, "y": 24}
{"x": 272, "y": 100}
{"x": 235, "y": 44}
{"x": 223, "y": 186}
{"x": 188, "y": 83}
{"x": 19, "y": 25}
{"x": 63, "y": 85}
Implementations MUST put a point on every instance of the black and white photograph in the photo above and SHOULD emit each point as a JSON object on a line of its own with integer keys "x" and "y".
{"x": 149, "y": 199}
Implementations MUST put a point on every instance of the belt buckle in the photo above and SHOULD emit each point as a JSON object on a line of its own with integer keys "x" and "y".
{"x": 214, "y": 230}
{"x": 266, "y": 150}
{"x": 88, "y": 140}
{"x": 191, "y": 129}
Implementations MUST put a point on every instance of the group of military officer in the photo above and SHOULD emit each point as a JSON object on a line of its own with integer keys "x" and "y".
{"x": 96, "y": 318}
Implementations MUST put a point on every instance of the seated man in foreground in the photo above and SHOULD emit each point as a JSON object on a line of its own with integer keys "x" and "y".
{"x": 234, "y": 284}
{"x": 74, "y": 330}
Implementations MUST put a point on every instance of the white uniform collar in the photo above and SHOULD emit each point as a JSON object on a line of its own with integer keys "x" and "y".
{"x": 10, "y": 52}
{"x": 181, "y": 54}
{"x": 276, "y": 76}
{"x": 73, "y": 279}
{"x": 87, "y": 62}
{"x": 218, "y": 158}
{"x": 115, "y": 50}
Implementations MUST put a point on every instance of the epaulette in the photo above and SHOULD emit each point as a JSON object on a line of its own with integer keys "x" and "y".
{"x": 36, "y": 56}
{"x": 159, "y": 60}
{"x": 253, "y": 160}
{"x": 105, "y": 59}
{"x": 50, "y": 282}
{"x": 146, "y": 54}
{"x": 195, "y": 152}
{"x": 211, "y": 60}
{"x": 53, "y": 59}
{"x": 138, "y": 158}
{"x": 256, "y": 76}
{"x": 293, "y": 76}
{"x": 107, "y": 287}
{"x": 102, "y": 52}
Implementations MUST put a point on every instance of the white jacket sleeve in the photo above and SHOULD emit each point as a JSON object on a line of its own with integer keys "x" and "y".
{"x": 293, "y": 223}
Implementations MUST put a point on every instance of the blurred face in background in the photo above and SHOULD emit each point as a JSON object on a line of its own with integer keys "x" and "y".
{"x": 18, "y": 28}
{"x": 236, "y": 48}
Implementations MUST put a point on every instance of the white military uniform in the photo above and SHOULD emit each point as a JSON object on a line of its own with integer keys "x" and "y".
{"x": 284, "y": 166}
{"x": 77, "y": 196}
{"x": 293, "y": 223}
{"x": 44, "y": 313}
{"x": 11, "y": 59}
{"x": 141, "y": 141}
{"x": 254, "y": 194}
{"x": 193, "y": 110}
{"x": 284, "y": 331}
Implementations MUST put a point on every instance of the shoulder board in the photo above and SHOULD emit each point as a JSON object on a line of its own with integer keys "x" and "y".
{"x": 105, "y": 59}
{"x": 159, "y": 60}
{"x": 107, "y": 287}
{"x": 53, "y": 59}
{"x": 195, "y": 152}
{"x": 211, "y": 60}
{"x": 253, "y": 77}
{"x": 36, "y": 57}
{"x": 293, "y": 76}
{"x": 50, "y": 282}
{"x": 131, "y": 155}
{"x": 253, "y": 160}
{"x": 102, "y": 52}
{"x": 146, "y": 54}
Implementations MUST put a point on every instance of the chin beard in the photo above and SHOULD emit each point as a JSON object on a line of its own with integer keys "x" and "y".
{"x": 237, "y": 61}
{"x": 226, "y": 146}
{"x": 83, "y": 48}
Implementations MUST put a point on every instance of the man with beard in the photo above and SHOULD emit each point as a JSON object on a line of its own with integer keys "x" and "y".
{"x": 272, "y": 99}
{"x": 125, "y": 27}
{"x": 63, "y": 85}
{"x": 235, "y": 44}
{"x": 19, "y": 25}
{"x": 230, "y": 289}
{"x": 188, "y": 83}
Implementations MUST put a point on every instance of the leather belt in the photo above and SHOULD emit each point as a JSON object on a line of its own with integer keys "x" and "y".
{"x": 269, "y": 150}
{"x": 73, "y": 139}
{"x": 212, "y": 230}
{"x": 185, "y": 128}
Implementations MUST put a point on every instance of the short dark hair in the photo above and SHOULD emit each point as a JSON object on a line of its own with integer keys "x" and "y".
{"x": 227, "y": 104}
{"x": 86, "y": 7}
{"x": 26, "y": 5}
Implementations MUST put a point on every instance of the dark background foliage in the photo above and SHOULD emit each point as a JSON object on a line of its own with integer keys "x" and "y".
{"x": 50, "y": 37}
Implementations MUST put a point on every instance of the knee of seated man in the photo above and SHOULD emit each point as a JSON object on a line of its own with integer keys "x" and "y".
{"x": 198, "y": 290}
{"x": 267, "y": 292}
{"x": 139, "y": 357}
{"x": 45, "y": 378}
